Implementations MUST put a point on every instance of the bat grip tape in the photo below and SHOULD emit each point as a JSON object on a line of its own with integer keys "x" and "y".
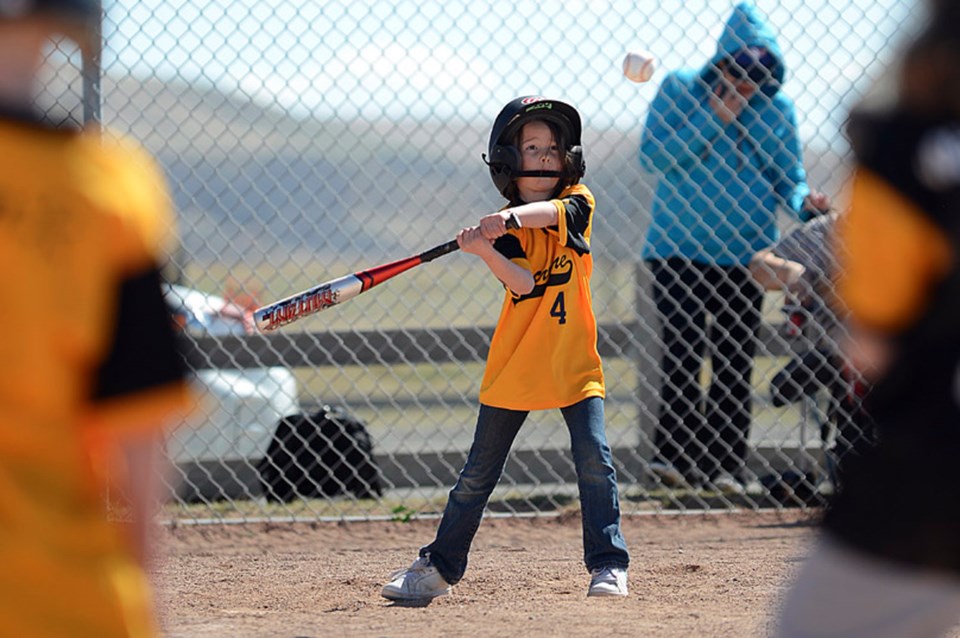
{"x": 439, "y": 251}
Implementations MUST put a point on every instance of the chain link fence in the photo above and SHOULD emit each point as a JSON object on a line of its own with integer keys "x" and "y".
{"x": 304, "y": 141}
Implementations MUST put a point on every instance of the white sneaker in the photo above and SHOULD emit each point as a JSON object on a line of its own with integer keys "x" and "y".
{"x": 826, "y": 487}
{"x": 420, "y": 581}
{"x": 753, "y": 488}
{"x": 608, "y": 581}
{"x": 668, "y": 475}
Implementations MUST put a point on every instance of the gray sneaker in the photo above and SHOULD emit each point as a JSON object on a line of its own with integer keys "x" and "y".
{"x": 668, "y": 475}
{"x": 420, "y": 581}
{"x": 727, "y": 484}
{"x": 608, "y": 581}
{"x": 732, "y": 486}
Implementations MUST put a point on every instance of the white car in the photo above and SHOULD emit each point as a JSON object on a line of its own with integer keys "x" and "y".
{"x": 219, "y": 446}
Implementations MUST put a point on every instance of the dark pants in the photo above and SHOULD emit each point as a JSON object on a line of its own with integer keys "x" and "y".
{"x": 705, "y": 438}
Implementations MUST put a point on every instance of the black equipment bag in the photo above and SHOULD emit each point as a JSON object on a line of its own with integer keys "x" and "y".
{"x": 325, "y": 453}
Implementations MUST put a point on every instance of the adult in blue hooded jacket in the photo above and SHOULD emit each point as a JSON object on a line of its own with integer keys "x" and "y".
{"x": 723, "y": 141}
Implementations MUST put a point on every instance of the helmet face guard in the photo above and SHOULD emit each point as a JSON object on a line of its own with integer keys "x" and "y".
{"x": 503, "y": 157}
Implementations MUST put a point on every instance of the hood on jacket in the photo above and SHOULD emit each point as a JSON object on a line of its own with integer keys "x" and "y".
{"x": 747, "y": 28}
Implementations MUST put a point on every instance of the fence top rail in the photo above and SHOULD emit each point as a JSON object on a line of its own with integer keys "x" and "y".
{"x": 384, "y": 347}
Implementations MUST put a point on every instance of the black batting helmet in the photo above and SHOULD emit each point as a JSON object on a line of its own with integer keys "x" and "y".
{"x": 504, "y": 156}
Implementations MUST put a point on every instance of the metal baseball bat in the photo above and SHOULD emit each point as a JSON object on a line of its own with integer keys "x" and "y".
{"x": 336, "y": 291}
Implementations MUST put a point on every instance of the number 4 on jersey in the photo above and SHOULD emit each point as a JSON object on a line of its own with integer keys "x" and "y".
{"x": 559, "y": 310}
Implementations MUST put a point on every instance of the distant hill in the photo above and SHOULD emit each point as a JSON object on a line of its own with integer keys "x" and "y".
{"x": 251, "y": 182}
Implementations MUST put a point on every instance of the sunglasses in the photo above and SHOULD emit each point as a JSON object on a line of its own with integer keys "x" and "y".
{"x": 759, "y": 69}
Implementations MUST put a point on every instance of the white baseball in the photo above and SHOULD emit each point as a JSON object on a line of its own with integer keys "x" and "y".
{"x": 638, "y": 66}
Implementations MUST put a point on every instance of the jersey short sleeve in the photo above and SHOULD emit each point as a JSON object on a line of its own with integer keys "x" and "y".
{"x": 888, "y": 249}
{"x": 143, "y": 351}
{"x": 895, "y": 238}
{"x": 141, "y": 358}
{"x": 575, "y": 216}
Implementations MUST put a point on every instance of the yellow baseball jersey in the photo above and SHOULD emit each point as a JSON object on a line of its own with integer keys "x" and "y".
{"x": 88, "y": 348}
{"x": 544, "y": 350}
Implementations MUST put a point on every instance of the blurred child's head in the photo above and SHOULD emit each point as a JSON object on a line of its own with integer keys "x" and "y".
{"x": 75, "y": 19}
{"x": 534, "y": 150}
{"x": 27, "y": 29}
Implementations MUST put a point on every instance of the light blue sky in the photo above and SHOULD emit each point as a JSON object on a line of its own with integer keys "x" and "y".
{"x": 464, "y": 59}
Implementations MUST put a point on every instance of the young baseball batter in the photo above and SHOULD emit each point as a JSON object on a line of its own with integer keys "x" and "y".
{"x": 90, "y": 370}
{"x": 544, "y": 350}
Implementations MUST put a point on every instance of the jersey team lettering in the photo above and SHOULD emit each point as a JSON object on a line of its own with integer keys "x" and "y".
{"x": 557, "y": 274}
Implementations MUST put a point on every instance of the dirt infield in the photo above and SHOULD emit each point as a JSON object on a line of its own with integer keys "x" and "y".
{"x": 691, "y": 575}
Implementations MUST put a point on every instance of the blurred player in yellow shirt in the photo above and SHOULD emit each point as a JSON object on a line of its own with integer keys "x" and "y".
{"x": 888, "y": 560}
{"x": 90, "y": 370}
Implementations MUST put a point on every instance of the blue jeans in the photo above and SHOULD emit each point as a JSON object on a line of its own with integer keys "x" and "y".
{"x": 603, "y": 544}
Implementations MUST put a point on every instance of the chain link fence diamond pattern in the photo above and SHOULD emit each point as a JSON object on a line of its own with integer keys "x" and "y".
{"x": 304, "y": 141}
